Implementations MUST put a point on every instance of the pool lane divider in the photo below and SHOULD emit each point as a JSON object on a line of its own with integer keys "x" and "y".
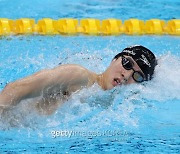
{"x": 88, "y": 26}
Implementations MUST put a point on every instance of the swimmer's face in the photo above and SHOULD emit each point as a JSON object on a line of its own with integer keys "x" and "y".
{"x": 116, "y": 74}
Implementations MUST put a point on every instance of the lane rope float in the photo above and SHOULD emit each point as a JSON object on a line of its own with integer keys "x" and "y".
{"x": 89, "y": 26}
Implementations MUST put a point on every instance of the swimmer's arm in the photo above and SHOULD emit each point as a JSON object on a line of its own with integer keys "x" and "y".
{"x": 28, "y": 87}
{"x": 32, "y": 86}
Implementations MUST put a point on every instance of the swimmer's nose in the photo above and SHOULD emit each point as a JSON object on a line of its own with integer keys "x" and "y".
{"x": 126, "y": 75}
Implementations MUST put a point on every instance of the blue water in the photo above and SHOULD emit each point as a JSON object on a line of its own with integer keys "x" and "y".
{"x": 131, "y": 119}
{"x": 123, "y": 9}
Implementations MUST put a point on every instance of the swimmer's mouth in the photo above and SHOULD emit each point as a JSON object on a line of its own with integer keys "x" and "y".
{"x": 116, "y": 82}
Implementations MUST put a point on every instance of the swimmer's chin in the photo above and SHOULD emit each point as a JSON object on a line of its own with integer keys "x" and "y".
{"x": 111, "y": 87}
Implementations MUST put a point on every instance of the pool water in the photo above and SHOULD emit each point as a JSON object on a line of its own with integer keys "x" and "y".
{"x": 128, "y": 119}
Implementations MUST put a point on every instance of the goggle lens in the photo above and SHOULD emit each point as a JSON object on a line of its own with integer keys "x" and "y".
{"x": 137, "y": 76}
{"x": 128, "y": 65}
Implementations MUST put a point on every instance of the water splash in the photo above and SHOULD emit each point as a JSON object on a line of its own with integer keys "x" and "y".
{"x": 93, "y": 106}
{"x": 166, "y": 83}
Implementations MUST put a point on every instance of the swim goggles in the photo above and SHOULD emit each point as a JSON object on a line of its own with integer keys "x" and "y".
{"x": 128, "y": 64}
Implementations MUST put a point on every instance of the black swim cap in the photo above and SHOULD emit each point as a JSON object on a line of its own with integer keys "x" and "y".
{"x": 145, "y": 59}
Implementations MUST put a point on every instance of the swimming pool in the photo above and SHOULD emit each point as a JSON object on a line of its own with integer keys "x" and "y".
{"x": 131, "y": 119}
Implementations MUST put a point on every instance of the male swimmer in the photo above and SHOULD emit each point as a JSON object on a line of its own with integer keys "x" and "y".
{"x": 134, "y": 64}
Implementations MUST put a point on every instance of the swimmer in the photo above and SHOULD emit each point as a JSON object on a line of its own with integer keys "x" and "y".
{"x": 134, "y": 64}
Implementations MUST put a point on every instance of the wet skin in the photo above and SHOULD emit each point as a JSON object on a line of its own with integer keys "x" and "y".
{"x": 116, "y": 74}
{"x": 57, "y": 84}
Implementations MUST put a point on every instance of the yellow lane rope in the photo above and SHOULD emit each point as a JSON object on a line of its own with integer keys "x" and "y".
{"x": 89, "y": 26}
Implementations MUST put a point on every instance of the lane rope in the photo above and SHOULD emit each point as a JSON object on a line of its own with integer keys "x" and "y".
{"x": 89, "y": 26}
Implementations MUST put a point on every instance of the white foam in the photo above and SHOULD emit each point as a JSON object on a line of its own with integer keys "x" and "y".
{"x": 94, "y": 108}
{"x": 166, "y": 83}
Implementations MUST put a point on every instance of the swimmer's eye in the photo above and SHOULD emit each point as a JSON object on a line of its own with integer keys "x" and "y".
{"x": 128, "y": 65}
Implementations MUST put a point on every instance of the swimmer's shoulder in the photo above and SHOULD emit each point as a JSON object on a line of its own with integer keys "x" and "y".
{"x": 78, "y": 70}
{"x": 72, "y": 67}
